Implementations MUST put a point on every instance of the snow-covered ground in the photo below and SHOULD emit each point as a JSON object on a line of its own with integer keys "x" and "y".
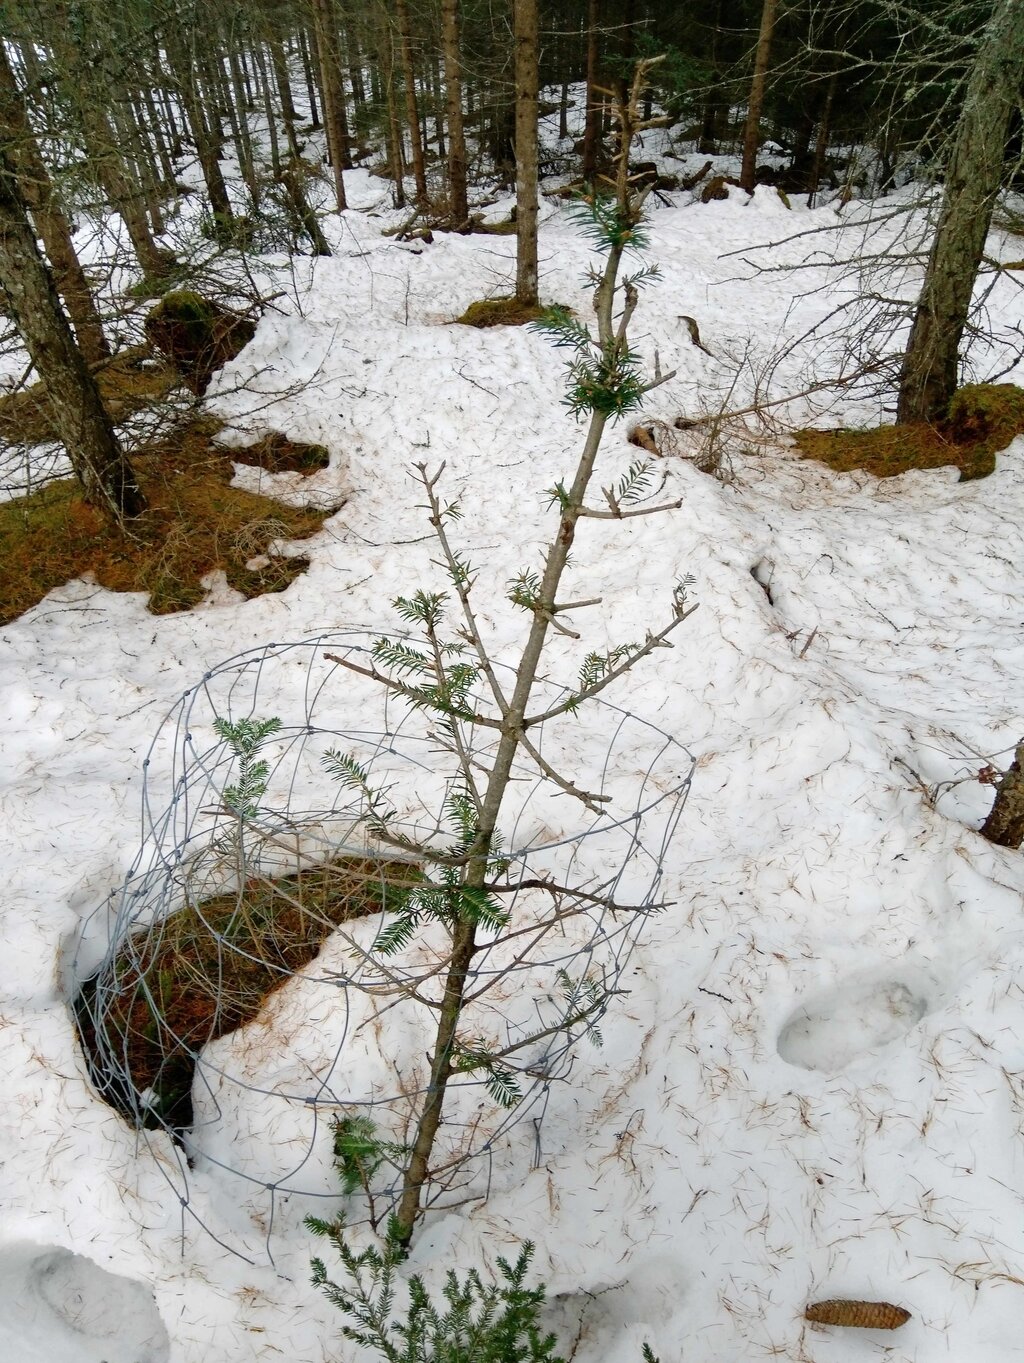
{"x": 814, "y": 1086}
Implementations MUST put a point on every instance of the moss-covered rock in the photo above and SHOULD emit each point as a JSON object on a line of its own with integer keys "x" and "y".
{"x": 197, "y": 335}
{"x": 985, "y": 417}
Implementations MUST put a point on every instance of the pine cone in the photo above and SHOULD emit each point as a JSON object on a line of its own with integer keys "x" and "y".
{"x": 867, "y": 1315}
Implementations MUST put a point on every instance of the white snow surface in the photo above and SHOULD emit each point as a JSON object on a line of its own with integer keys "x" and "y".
{"x": 814, "y": 1086}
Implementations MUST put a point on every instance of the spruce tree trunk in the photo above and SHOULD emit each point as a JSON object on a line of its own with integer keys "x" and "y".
{"x": 335, "y": 125}
{"x": 82, "y": 424}
{"x": 37, "y": 191}
{"x": 437, "y": 94}
{"x": 526, "y": 75}
{"x": 284, "y": 92}
{"x": 125, "y": 194}
{"x": 307, "y": 71}
{"x": 246, "y": 160}
{"x": 412, "y": 116}
{"x": 821, "y": 142}
{"x": 269, "y": 112}
{"x": 752, "y": 129}
{"x": 930, "y": 364}
{"x": 457, "y": 170}
{"x": 1005, "y": 823}
{"x": 205, "y": 132}
{"x": 592, "y": 127}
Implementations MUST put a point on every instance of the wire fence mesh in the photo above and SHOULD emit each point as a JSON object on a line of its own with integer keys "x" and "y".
{"x": 231, "y": 996}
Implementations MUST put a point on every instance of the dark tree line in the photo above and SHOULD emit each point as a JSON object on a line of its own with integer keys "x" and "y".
{"x": 98, "y": 104}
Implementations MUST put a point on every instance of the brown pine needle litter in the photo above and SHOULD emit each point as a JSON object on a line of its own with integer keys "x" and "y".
{"x": 196, "y": 524}
{"x": 209, "y": 968}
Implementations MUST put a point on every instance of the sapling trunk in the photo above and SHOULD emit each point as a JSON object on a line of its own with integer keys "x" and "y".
{"x": 612, "y": 340}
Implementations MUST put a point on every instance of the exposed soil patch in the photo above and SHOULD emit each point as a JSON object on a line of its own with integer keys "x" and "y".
{"x": 277, "y": 454}
{"x": 207, "y": 970}
{"x": 130, "y": 381}
{"x": 196, "y": 524}
{"x": 983, "y": 419}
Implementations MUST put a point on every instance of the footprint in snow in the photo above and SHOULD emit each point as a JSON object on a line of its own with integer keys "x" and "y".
{"x": 60, "y": 1307}
{"x": 835, "y": 1028}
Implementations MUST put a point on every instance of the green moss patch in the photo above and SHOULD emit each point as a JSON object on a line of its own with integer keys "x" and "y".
{"x": 196, "y": 524}
{"x": 208, "y": 969}
{"x": 197, "y": 335}
{"x": 499, "y": 312}
{"x": 983, "y": 419}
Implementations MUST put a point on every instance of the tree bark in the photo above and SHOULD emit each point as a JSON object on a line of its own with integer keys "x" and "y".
{"x": 81, "y": 421}
{"x": 821, "y": 142}
{"x": 307, "y": 71}
{"x": 457, "y": 171}
{"x": 269, "y": 112}
{"x": 592, "y": 126}
{"x": 37, "y": 191}
{"x": 1005, "y": 823}
{"x": 930, "y": 365}
{"x": 246, "y": 160}
{"x": 205, "y": 131}
{"x": 526, "y": 76}
{"x": 752, "y": 129}
{"x": 412, "y": 116}
{"x": 333, "y": 91}
{"x": 284, "y": 91}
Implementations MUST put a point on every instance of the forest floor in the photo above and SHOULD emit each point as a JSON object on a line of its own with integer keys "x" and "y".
{"x": 813, "y": 1087}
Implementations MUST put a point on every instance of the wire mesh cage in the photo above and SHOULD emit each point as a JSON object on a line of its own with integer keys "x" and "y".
{"x": 235, "y": 994}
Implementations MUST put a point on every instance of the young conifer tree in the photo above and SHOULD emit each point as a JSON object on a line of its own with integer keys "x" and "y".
{"x": 439, "y": 676}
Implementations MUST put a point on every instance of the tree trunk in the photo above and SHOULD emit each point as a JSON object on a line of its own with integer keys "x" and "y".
{"x": 457, "y": 189}
{"x": 930, "y": 365}
{"x": 412, "y": 116}
{"x": 821, "y": 143}
{"x": 139, "y": 163}
{"x": 78, "y": 414}
{"x": 205, "y": 132}
{"x": 154, "y": 131}
{"x": 333, "y": 91}
{"x": 36, "y": 189}
{"x": 526, "y": 75}
{"x": 307, "y": 71}
{"x": 752, "y": 129}
{"x": 284, "y": 91}
{"x": 437, "y": 96}
{"x": 1005, "y": 824}
{"x": 101, "y": 145}
{"x": 269, "y": 112}
{"x": 246, "y": 160}
{"x": 592, "y": 127}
